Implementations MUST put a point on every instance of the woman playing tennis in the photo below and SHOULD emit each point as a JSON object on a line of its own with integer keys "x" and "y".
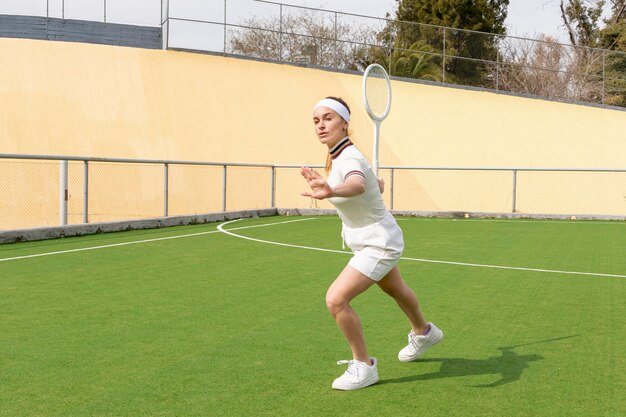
{"x": 375, "y": 239}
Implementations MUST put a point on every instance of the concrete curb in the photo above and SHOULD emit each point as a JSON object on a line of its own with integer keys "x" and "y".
{"x": 307, "y": 212}
{"x": 487, "y": 215}
{"x": 460, "y": 214}
{"x": 40, "y": 233}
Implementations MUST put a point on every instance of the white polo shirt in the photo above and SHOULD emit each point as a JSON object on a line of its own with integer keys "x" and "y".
{"x": 364, "y": 209}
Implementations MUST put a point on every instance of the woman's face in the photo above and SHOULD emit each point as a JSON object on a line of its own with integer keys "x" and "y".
{"x": 329, "y": 126}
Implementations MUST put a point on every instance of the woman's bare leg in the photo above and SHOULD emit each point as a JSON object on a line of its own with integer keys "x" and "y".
{"x": 342, "y": 291}
{"x": 394, "y": 286}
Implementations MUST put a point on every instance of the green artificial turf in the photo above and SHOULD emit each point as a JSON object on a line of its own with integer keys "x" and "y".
{"x": 214, "y": 325}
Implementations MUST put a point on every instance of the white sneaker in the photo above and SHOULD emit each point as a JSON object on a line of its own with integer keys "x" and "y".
{"x": 358, "y": 375}
{"x": 418, "y": 344}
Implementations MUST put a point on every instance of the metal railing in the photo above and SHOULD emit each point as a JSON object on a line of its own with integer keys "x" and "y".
{"x": 138, "y": 12}
{"x": 56, "y": 169}
{"x": 43, "y": 190}
{"x": 345, "y": 41}
{"x": 609, "y": 195}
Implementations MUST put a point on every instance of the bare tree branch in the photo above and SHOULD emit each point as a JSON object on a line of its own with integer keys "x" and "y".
{"x": 619, "y": 15}
{"x": 570, "y": 31}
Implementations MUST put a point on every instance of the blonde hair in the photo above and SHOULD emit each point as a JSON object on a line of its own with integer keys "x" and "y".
{"x": 329, "y": 160}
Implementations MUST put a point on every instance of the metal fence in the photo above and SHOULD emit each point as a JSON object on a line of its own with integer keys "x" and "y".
{"x": 344, "y": 41}
{"x": 137, "y": 12}
{"x": 58, "y": 190}
{"x": 40, "y": 191}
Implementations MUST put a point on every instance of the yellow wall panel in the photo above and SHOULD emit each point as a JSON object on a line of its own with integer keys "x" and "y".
{"x": 94, "y": 100}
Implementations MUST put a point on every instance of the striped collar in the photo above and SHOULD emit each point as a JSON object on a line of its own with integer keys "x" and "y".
{"x": 339, "y": 147}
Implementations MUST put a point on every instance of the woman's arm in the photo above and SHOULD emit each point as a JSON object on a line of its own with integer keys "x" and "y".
{"x": 352, "y": 186}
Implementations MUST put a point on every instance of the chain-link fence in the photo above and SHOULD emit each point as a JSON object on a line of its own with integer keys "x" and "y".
{"x": 40, "y": 191}
{"x": 532, "y": 191}
{"x": 49, "y": 191}
{"x": 344, "y": 41}
{"x": 135, "y": 12}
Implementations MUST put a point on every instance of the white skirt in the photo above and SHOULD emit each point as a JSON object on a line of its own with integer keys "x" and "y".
{"x": 376, "y": 247}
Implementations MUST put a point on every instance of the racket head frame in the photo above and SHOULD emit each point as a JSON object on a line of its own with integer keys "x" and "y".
{"x": 368, "y": 109}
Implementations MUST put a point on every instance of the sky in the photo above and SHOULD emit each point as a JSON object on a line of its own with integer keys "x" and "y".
{"x": 526, "y": 18}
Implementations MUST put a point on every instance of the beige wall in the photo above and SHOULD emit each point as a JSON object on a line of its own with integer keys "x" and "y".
{"x": 105, "y": 101}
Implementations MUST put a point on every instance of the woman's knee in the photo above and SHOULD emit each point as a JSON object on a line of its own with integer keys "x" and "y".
{"x": 335, "y": 303}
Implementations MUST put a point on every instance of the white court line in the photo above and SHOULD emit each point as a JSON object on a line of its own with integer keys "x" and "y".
{"x": 228, "y": 232}
{"x": 513, "y": 268}
{"x": 135, "y": 242}
{"x": 518, "y": 221}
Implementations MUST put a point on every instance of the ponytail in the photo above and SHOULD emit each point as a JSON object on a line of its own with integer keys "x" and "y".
{"x": 329, "y": 161}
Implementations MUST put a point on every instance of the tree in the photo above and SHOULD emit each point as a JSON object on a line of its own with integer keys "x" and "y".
{"x": 463, "y": 51}
{"x": 304, "y": 38}
{"x": 613, "y": 38}
{"x": 546, "y": 68}
{"x": 479, "y": 15}
{"x": 416, "y": 62}
{"x": 582, "y": 20}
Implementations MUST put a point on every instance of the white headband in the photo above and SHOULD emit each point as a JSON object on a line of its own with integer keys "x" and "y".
{"x": 336, "y": 106}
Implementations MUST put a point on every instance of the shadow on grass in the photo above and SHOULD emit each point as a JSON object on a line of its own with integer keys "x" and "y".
{"x": 509, "y": 366}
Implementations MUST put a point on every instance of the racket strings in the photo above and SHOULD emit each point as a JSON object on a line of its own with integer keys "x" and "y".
{"x": 377, "y": 92}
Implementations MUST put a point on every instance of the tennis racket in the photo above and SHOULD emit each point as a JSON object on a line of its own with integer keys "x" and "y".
{"x": 377, "y": 100}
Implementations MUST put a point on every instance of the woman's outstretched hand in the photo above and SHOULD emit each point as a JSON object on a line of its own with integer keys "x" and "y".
{"x": 319, "y": 187}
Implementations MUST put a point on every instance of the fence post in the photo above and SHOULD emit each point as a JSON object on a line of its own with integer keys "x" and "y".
{"x": 166, "y": 180}
{"x": 391, "y": 190}
{"x": 603, "y": 74}
{"x": 224, "y": 189}
{"x": 86, "y": 192}
{"x": 335, "y": 45}
{"x": 63, "y": 193}
{"x": 498, "y": 64}
{"x": 273, "y": 193}
{"x": 514, "y": 191}
{"x": 390, "y": 52}
{"x": 443, "y": 62}
{"x": 224, "y": 27}
{"x": 280, "y": 35}
{"x": 165, "y": 24}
